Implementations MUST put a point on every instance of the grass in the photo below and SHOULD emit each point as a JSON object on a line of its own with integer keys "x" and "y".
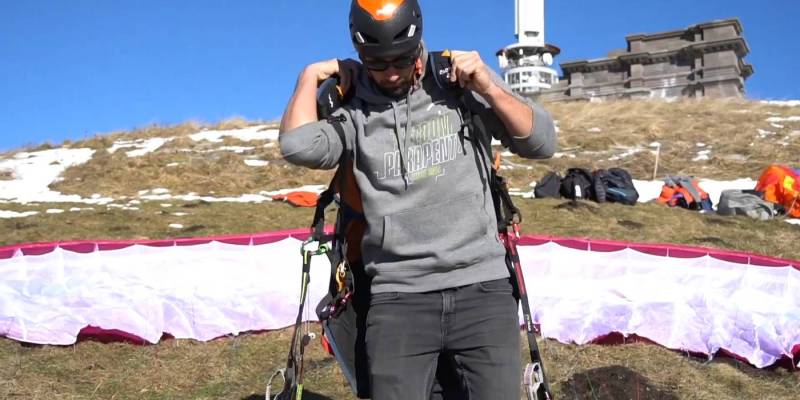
{"x": 150, "y": 221}
{"x": 641, "y": 223}
{"x": 238, "y": 367}
{"x": 6, "y": 175}
{"x": 728, "y": 129}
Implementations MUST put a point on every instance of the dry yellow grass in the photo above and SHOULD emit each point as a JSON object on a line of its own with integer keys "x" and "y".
{"x": 729, "y": 129}
{"x": 239, "y": 367}
{"x": 592, "y": 135}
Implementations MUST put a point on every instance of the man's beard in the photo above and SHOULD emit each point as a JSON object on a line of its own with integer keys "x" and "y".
{"x": 396, "y": 93}
{"x": 399, "y": 91}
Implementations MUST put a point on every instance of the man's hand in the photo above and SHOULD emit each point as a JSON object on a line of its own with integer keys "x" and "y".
{"x": 302, "y": 107}
{"x": 471, "y": 73}
{"x": 469, "y": 70}
{"x": 344, "y": 69}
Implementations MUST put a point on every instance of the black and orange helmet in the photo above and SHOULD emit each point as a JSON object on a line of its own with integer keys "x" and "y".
{"x": 385, "y": 29}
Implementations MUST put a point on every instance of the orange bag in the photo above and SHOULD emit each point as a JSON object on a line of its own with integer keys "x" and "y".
{"x": 781, "y": 184}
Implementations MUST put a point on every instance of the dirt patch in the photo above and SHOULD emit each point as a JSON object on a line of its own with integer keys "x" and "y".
{"x": 612, "y": 383}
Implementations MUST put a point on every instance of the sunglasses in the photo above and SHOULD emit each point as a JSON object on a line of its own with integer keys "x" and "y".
{"x": 401, "y": 62}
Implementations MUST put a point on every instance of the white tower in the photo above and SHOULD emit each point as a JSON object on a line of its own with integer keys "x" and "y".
{"x": 526, "y": 64}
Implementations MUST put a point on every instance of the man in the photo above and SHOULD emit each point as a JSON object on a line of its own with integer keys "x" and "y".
{"x": 421, "y": 159}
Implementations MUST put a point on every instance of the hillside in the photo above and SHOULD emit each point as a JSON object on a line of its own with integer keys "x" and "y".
{"x": 201, "y": 180}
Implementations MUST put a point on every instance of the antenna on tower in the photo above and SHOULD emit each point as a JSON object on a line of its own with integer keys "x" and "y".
{"x": 526, "y": 64}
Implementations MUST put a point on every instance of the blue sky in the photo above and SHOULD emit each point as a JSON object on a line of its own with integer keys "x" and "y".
{"x": 71, "y": 69}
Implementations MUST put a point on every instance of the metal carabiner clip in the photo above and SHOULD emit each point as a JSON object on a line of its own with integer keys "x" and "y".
{"x": 313, "y": 247}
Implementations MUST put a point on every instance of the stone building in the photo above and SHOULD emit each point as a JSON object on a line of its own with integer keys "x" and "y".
{"x": 704, "y": 60}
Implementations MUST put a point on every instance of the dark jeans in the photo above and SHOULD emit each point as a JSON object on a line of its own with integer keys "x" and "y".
{"x": 475, "y": 328}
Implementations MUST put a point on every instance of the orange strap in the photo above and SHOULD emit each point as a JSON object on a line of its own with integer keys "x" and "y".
{"x": 497, "y": 159}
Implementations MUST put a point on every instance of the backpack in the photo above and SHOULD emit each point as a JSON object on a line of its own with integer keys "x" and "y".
{"x": 685, "y": 192}
{"x": 577, "y": 184}
{"x": 548, "y": 186}
{"x": 745, "y": 202}
{"x": 614, "y": 185}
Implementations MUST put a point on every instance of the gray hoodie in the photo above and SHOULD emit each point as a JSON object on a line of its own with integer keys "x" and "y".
{"x": 423, "y": 175}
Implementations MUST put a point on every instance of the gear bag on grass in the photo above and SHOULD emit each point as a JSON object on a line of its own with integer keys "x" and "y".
{"x": 685, "y": 192}
{"x": 781, "y": 185}
{"x": 745, "y": 202}
{"x": 614, "y": 185}
{"x": 577, "y": 184}
{"x": 548, "y": 187}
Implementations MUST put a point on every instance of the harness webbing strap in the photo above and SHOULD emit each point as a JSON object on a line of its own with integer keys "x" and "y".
{"x": 508, "y": 219}
{"x": 294, "y": 371}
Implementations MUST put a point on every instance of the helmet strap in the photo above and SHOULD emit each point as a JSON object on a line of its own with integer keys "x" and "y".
{"x": 418, "y": 70}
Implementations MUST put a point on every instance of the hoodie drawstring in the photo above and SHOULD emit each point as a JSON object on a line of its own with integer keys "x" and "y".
{"x": 403, "y": 147}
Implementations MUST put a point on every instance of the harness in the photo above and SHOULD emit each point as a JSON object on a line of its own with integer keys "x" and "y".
{"x": 293, "y": 373}
{"x": 509, "y": 217}
{"x": 318, "y": 243}
{"x": 342, "y": 312}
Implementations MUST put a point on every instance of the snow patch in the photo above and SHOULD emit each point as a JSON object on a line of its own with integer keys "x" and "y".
{"x": 763, "y": 134}
{"x": 256, "y": 163}
{"x": 782, "y": 103}
{"x": 142, "y": 146}
{"x": 594, "y": 130}
{"x": 245, "y": 198}
{"x": 176, "y": 226}
{"x": 13, "y": 214}
{"x": 702, "y": 155}
{"x": 794, "y": 118}
{"x": 561, "y": 155}
{"x": 34, "y": 171}
{"x": 258, "y": 132}
{"x": 627, "y": 153}
{"x": 236, "y": 149}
